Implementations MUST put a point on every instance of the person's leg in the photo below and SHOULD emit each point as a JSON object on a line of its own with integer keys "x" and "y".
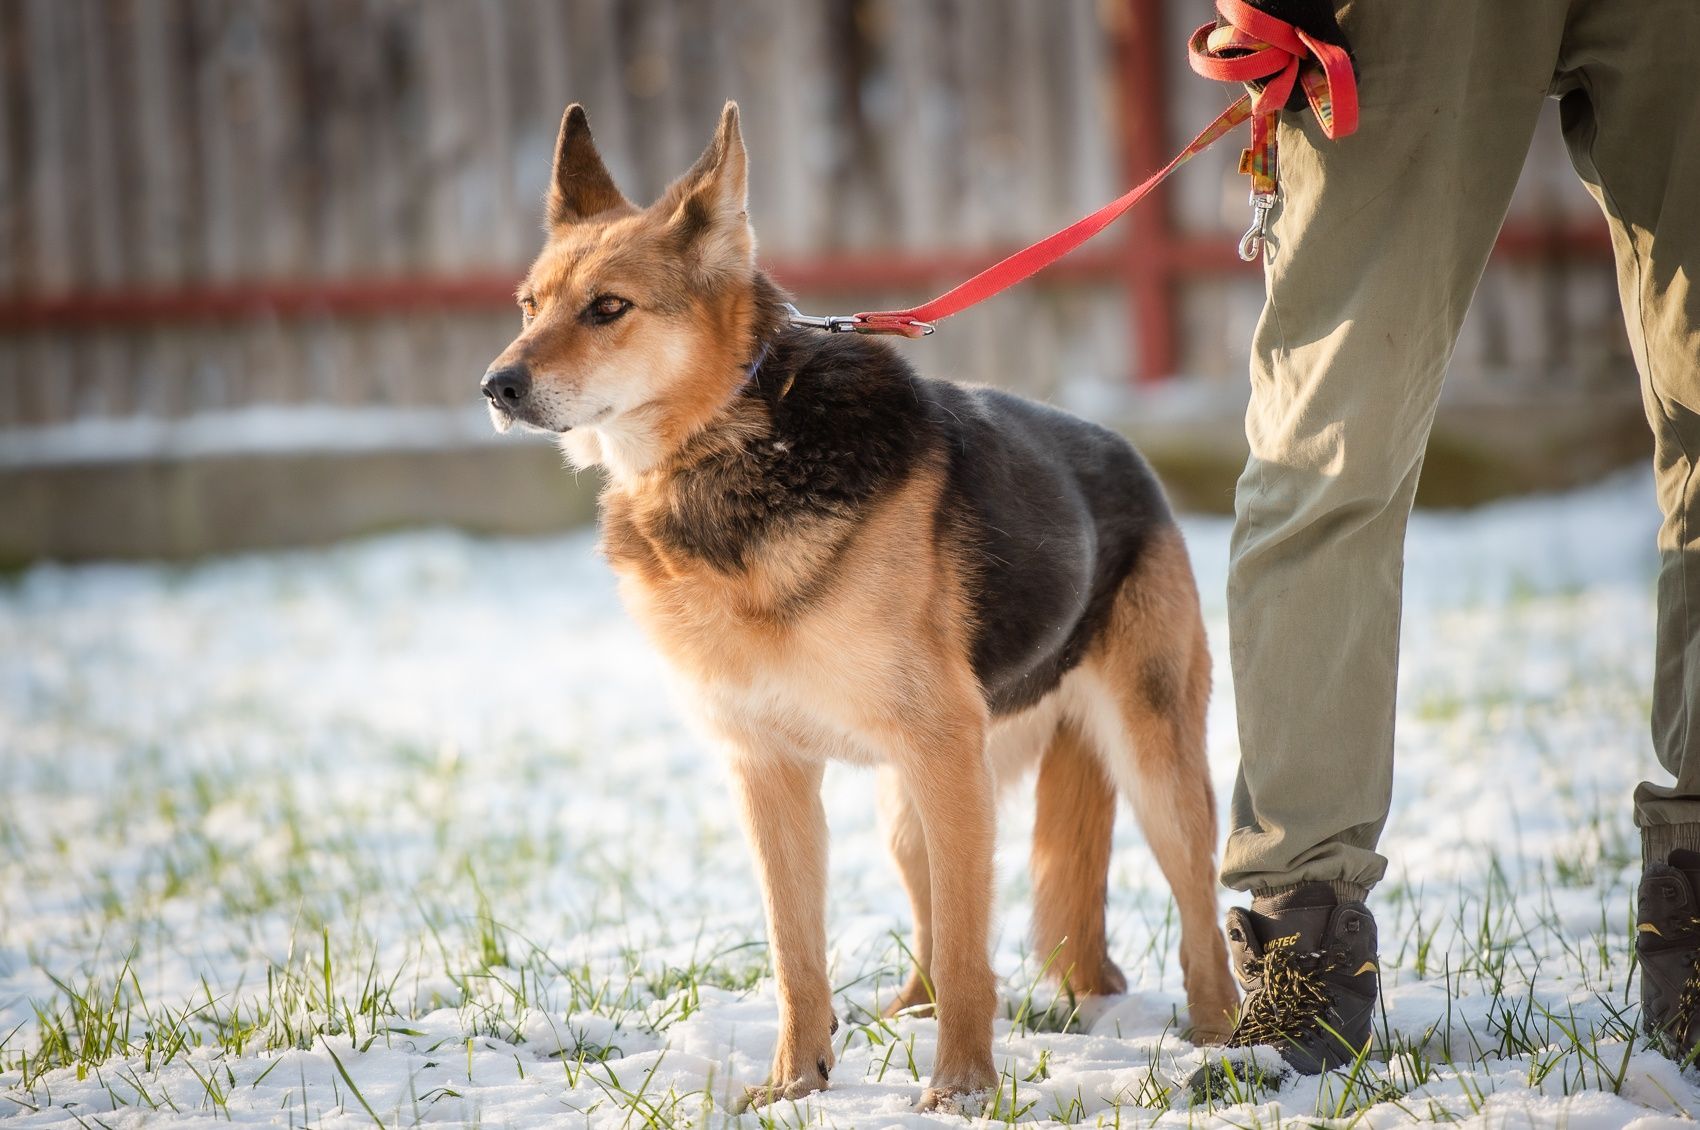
{"x": 1631, "y": 111}
{"x": 1632, "y": 120}
{"x": 1375, "y": 249}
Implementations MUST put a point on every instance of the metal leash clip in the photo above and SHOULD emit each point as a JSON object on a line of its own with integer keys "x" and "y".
{"x": 831, "y": 323}
{"x": 850, "y": 324}
{"x": 1251, "y": 243}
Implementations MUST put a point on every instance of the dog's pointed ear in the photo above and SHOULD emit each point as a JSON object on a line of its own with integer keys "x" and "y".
{"x": 707, "y": 208}
{"x": 579, "y": 186}
{"x": 723, "y": 168}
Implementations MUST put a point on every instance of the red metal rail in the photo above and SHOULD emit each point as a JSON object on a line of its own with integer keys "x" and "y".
{"x": 1150, "y": 259}
{"x": 376, "y": 296}
{"x": 1155, "y": 256}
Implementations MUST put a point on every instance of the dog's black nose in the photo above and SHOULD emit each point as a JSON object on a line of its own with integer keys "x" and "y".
{"x": 506, "y": 386}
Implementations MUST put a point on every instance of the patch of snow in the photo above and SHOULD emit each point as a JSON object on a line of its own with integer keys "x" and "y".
{"x": 453, "y": 766}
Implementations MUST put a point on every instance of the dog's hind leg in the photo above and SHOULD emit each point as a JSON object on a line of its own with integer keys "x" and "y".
{"x": 1150, "y": 675}
{"x": 1071, "y": 865}
{"x": 908, "y": 842}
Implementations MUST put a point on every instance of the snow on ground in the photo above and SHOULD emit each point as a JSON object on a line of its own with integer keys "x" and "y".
{"x": 409, "y": 831}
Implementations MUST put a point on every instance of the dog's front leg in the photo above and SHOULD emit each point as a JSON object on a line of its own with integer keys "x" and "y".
{"x": 951, "y": 786}
{"x": 780, "y": 798}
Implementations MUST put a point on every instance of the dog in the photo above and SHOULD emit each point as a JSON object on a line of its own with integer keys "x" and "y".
{"x": 846, "y": 560}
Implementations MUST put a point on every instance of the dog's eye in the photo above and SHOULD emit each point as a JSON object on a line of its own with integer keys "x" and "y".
{"x": 527, "y": 309}
{"x": 606, "y": 308}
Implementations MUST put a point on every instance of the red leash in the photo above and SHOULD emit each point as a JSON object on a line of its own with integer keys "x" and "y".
{"x": 1251, "y": 45}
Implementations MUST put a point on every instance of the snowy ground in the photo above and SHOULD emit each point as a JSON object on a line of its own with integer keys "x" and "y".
{"x": 408, "y": 831}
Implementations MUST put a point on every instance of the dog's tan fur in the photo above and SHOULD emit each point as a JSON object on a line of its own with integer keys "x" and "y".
{"x": 848, "y": 636}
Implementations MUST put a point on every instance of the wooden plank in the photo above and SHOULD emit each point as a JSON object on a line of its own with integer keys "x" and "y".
{"x": 53, "y": 196}
{"x": 538, "y": 90}
{"x": 959, "y": 172}
{"x": 164, "y": 172}
{"x": 466, "y": 347}
{"x": 151, "y": 382}
{"x": 170, "y": 240}
{"x": 659, "y": 147}
{"x": 594, "y": 59}
{"x": 850, "y": 65}
{"x": 805, "y": 50}
{"x": 219, "y": 177}
{"x": 375, "y": 127}
{"x": 108, "y": 390}
{"x": 16, "y": 173}
{"x": 398, "y": 157}
{"x": 1058, "y": 115}
{"x": 554, "y": 76}
{"x": 104, "y": 115}
{"x": 502, "y": 61}
{"x": 281, "y": 246}
{"x": 332, "y": 70}
{"x": 221, "y": 109}
{"x": 14, "y": 152}
{"x": 748, "y": 76}
{"x": 1095, "y": 169}
{"x": 128, "y": 158}
{"x": 924, "y": 156}
{"x": 1031, "y": 206}
{"x": 988, "y": 134}
{"x": 106, "y": 123}
{"x": 450, "y": 94}
{"x": 51, "y": 266}
{"x": 11, "y": 382}
{"x": 42, "y": 401}
{"x": 699, "y": 75}
{"x": 279, "y": 131}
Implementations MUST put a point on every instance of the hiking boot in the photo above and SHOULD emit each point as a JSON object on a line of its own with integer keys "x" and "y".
{"x": 1667, "y": 944}
{"x": 1307, "y": 963}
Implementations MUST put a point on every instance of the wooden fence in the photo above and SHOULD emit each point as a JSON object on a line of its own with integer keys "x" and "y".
{"x": 209, "y": 207}
{"x": 155, "y": 147}
{"x": 172, "y": 171}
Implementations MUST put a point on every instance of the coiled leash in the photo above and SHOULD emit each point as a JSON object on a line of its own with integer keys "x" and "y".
{"x": 1248, "y": 45}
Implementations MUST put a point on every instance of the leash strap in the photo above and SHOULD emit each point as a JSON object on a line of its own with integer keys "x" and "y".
{"x": 1250, "y": 45}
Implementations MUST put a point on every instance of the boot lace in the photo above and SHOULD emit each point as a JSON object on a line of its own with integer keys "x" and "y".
{"x": 1292, "y": 998}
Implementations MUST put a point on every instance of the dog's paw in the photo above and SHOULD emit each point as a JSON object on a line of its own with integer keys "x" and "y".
{"x": 754, "y": 1098}
{"x": 948, "y": 1100}
{"x": 790, "y": 1079}
{"x": 1211, "y": 1019}
{"x": 912, "y": 999}
{"x": 1207, "y": 1036}
{"x": 958, "y": 1092}
{"x": 1112, "y": 982}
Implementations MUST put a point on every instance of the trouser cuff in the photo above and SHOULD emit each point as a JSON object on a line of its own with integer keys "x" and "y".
{"x": 1659, "y": 840}
{"x": 1343, "y": 891}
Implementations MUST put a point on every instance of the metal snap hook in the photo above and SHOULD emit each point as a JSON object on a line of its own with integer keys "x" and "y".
{"x": 857, "y": 323}
{"x": 1251, "y": 243}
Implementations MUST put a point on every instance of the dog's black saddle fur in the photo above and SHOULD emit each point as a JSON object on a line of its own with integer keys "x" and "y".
{"x": 1052, "y": 512}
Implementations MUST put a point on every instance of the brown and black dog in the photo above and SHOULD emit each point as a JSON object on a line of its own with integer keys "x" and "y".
{"x": 846, "y": 560}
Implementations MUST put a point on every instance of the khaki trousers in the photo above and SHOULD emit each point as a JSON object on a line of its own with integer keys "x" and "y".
{"x": 1376, "y": 246}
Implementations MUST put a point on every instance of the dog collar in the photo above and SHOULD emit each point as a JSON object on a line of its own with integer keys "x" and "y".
{"x": 754, "y": 366}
